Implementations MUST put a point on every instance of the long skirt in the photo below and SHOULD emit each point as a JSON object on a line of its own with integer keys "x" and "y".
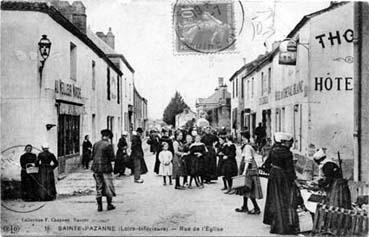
{"x": 229, "y": 168}
{"x": 210, "y": 164}
{"x": 197, "y": 166}
{"x": 104, "y": 185}
{"x": 47, "y": 190}
{"x": 220, "y": 166}
{"x": 280, "y": 211}
{"x": 157, "y": 163}
{"x": 254, "y": 192}
{"x": 187, "y": 162}
{"x": 178, "y": 167}
{"x": 119, "y": 165}
{"x": 339, "y": 194}
{"x": 29, "y": 186}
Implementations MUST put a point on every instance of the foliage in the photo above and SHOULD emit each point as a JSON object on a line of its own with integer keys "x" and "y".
{"x": 175, "y": 106}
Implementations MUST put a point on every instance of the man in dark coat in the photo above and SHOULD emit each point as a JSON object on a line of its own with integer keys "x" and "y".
{"x": 137, "y": 155}
{"x": 210, "y": 158}
{"x": 164, "y": 138}
{"x": 103, "y": 155}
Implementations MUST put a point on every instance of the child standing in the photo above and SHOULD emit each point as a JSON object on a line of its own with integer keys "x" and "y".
{"x": 166, "y": 167}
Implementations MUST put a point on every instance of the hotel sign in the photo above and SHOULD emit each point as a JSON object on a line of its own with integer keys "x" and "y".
{"x": 288, "y": 91}
{"x": 67, "y": 89}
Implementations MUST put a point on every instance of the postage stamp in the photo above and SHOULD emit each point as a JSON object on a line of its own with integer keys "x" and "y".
{"x": 204, "y": 27}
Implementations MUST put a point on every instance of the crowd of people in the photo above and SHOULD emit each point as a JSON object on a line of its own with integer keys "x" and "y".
{"x": 197, "y": 157}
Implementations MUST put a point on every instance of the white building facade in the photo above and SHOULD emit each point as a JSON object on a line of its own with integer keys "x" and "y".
{"x": 79, "y": 93}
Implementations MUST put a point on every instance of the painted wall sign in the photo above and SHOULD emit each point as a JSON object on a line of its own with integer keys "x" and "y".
{"x": 288, "y": 91}
{"x": 335, "y": 38}
{"x": 333, "y": 83}
{"x": 67, "y": 89}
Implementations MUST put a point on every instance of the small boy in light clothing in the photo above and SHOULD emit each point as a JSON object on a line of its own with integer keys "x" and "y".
{"x": 166, "y": 167}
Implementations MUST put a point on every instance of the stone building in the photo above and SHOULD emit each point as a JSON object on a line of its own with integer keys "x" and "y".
{"x": 216, "y": 108}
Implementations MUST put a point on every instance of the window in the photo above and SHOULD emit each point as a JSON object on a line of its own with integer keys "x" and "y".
{"x": 68, "y": 134}
{"x": 269, "y": 80}
{"x": 224, "y": 94}
{"x": 73, "y": 62}
{"x": 109, "y": 122}
{"x": 242, "y": 87}
{"x": 252, "y": 88}
{"x": 262, "y": 84}
{"x": 118, "y": 89}
{"x": 233, "y": 94}
{"x": 125, "y": 87}
{"x": 236, "y": 87}
{"x": 108, "y": 82}
{"x": 93, "y": 65}
{"x": 248, "y": 89}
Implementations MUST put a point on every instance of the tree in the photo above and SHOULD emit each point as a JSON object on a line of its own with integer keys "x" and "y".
{"x": 175, "y": 106}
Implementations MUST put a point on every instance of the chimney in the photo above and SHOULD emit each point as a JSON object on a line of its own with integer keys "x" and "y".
{"x": 220, "y": 81}
{"x": 75, "y": 13}
{"x": 79, "y": 16}
{"x": 244, "y": 61}
{"x": 110, "y": 39}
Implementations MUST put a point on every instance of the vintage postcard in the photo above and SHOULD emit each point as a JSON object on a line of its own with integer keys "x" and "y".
{"x": 184, "y": 118}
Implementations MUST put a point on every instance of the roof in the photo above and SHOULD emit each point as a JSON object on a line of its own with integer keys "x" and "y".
{"x": 59, "y": 18}
{"x": 306, "y": 18}
{"x": 121, "y": 56}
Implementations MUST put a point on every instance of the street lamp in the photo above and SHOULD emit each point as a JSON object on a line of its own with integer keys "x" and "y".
{"x": 44, "y": 46}
{"x": 290, "y": 44}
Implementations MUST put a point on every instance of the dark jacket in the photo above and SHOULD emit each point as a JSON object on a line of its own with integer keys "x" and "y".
{"x": 136, "y": 148}
{"x": 102, "y": 155}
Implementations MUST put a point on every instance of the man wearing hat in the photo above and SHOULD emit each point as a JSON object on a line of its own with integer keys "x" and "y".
{"x": 331, "y": 180}
{"x": 137, "y": 155}
{"x": 103, "y": 155}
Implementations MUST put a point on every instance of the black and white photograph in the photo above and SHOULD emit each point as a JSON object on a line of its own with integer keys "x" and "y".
{"x": 184, "y": 118}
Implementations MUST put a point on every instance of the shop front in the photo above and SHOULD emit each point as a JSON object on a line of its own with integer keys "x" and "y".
{"x": 70, "y": 111}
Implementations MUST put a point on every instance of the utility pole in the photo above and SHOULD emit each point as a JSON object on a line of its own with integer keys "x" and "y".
{"x": 361, "y": 87}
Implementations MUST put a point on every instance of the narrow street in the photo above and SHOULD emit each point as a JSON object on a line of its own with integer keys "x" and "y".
{"x": 149, "y": 205}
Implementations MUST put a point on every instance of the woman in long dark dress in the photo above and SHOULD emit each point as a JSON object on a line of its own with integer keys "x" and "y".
{"x": 220, "y": 154}
{"x": 119, "y": 165}
{"x": 86, "y": 152}
{"x": 47, "y": 163}
{"x": 29, "y": 181}
{"x": 280, "y": 210}
{"x": 197, "y": 151}
{"x": 229, "y": 162}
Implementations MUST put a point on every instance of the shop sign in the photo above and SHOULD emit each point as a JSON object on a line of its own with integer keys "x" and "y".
{"x": 288, "y": 57}
{"x": 263, "y": 100}
{"x": 67, "y": 89}
{"x": 70, "y": 109}
{"x": 288, "y": 91}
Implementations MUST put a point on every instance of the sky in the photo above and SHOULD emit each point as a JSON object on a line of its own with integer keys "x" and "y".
{"x": 145, "y": 34}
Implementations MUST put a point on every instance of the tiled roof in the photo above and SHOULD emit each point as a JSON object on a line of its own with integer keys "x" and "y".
{"x": 60, "y": 19}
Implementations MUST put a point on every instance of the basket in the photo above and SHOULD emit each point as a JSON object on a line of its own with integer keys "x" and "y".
{"x": 239, "y": 181}
{"x": 31, "y": 169}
